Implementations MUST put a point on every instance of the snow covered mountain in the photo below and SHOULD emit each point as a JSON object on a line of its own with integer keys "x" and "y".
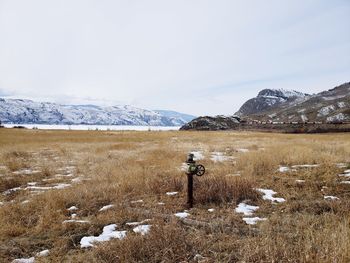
{"x": 270, "y": 98}
{"x": 280, "y": 106}
{"x": 26, "y": 111}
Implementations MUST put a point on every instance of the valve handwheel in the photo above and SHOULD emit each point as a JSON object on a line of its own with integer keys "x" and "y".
{"x": 200, "y": 170}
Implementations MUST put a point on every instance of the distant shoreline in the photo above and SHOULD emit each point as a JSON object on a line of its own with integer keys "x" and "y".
{"x": 83, "y": 127}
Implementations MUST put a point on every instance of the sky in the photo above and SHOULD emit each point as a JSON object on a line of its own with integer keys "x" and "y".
{"x": 202, "y": 57}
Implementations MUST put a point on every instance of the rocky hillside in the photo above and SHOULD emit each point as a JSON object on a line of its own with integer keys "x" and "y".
{"x": 269, "y": 99}
{"x": 26, "y": 111}
{"x": 282, "y": 106}
{"x": 328, "y": 106}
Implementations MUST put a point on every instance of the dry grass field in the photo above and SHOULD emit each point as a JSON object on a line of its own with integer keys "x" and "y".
{"x": 53, "y": 185}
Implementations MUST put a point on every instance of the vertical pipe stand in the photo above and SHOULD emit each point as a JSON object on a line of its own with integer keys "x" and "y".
{"x": 190, "y": 190}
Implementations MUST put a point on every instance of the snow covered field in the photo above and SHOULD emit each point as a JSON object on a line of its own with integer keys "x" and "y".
{"x": 95, "y": 197}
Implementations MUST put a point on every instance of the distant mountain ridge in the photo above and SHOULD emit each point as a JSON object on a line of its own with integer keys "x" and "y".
{"x": 269, "y": 99}
{"x": 327, "y": 106}
{"x": 22, "y": 111}
{"x": 283, "y": 107}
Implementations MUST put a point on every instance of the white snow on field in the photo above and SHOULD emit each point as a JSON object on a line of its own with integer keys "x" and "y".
{"x": 1, "y": 203}
{"x": 345, "y": 182}
{"x": 347, "y": 171}
{"x": 247, "y": 210}
{"x": 184, "y": 167}
{"x": 268, "y": 195}
{"x": 330, "y": 197}
{"x": 137, "y": 223}
{"x": 305, "y": 165}
{"x": 182, "y": 214}
{"x": 142, "y": 229}
{"x": 76, "y": 221}
{"x": 137, "y": 201}
{"x": 3, "y": 167}
{"x": 76, "y": 180}
{"x": 32, "y": 183}
{"x": 43, "y": 253}
{"x": 160, "y": 203}
{"x": 253, "y": 220}
{"x": 108, "y": 233}
{"x": 171, "y": 193}
{"x": 211, "y": 210}
{"x": 72, "y": 208}
{"x": 24, "y": 260}
{"x": 283, "y": 169}
{"x": 44, "y": 188}
{"x": 64, "y": 175}
{"x": 344, "y": 175}
{"x": 26, "y": 171}
{"x": 220, "y": 157}
{"x": 12, "y": 190}
{"x": 234, "y": 175}
{"x": 341, "y": 165}
{"x": 197, "y": 155}
{"x": 25, "y": 202}
{"x": 242, "y": 150}
{"x": 300, "y": 181}
{"x": 106, "y": 207}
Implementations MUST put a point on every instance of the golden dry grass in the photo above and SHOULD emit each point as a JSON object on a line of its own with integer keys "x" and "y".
{"x": 118, "y": 168}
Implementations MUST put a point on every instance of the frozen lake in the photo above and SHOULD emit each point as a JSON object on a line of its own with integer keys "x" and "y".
{"x": 95, "y": 127}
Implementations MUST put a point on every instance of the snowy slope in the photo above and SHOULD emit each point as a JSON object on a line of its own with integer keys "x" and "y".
{"x": 27, "y": 111}
{"x": 291, "y": 106}
{"x": 268, "y": 99}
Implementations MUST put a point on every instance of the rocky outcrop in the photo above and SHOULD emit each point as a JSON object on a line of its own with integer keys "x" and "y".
{"x": 207, "y": 123}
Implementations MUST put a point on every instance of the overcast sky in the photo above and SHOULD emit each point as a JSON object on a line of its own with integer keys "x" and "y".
{"x": 194, "y": 56}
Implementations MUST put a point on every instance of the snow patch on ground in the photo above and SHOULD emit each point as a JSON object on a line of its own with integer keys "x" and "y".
{"x": 253, "y": 220}
{"x": 182, "y": 214}
{"x": 26, "y": 171}
{"x": 44, "y": 188}
{"x": 43, "y": 253}
{"x": 219, "y": 157}
{"x": 211, "y": 210}
{"x": 284, "y": 169}
{"x": 142, "y": 229}
{"x": 171, "y": 193}
{"x": 108, "y": 233}
{"x": 72, "y": 208}
{"x": 184, "y": 167}
{"x": 106, "y": 207}
{"x": 299, "y": 181}
{"x": 24, "y": 260}
{"x": 137, "y": 201}
{"x": 198, "y": 155}
{"x": 247, "y": 210}
{"x": 242, "y": 150}
{"x": 268, "y": 195}
{"x": 330, "y": 197}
